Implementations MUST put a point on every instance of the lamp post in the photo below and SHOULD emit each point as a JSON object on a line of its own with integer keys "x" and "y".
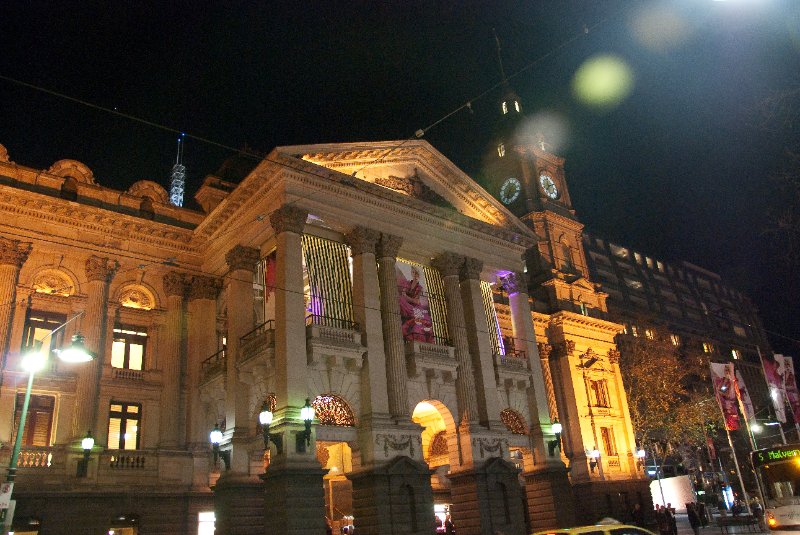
{"x": 33, "y": 362}
{"x": 304, "y": 437}
{"x": 216, "y": 437}
{"x": 555, "y": 443}
{"x": 265, "y": 419}
{"x": 87, "y": 443}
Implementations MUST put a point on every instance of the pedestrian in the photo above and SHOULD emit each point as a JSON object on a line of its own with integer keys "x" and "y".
{"x": 670, "y": 514}
{"x": 664, "y": 527}
{"x": 758, "y": 512}
{"x": 703, "y": 513}
{"x": 637, "y": 515}
{"x": 694, "y": 517}
{"x": 449, "y": 527}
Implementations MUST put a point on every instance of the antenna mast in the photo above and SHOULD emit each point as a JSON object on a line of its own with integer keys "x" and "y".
{"x": 178, "y": 176}
{"x": 499, "y": 56}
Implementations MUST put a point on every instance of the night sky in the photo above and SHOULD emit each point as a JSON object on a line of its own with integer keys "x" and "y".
{"x": 679, "y": 169}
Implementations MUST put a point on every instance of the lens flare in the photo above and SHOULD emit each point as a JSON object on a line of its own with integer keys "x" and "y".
{"x": 603, "y": 81}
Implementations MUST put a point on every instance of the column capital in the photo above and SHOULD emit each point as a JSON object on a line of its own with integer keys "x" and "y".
{"x": 203, "y": 287}
{"x": 471, "y": 270}
{"x": 448, "y": 264}
{"x": 14, "y": 252}
{"x": 362, "y": 240}
{"x": 514, "y": 282}
{"x": 175, "y": 283}
{"x": 288, "y": 218}
{"x": 389, "y": 246}
{"x": 100, "y": 268}
{"x": 241, "y": 257}
{"x": 544, "y": 350}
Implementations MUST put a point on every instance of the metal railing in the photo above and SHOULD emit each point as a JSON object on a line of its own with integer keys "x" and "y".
{"x": 328, "y": 321}
{"x": 260, "y": 329}
{"x": 214, "y": 362}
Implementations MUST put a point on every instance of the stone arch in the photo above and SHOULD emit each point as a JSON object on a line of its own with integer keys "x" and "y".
{"x": 134, "y": 295}
{"x": 436, "y": 418}
{"x": 54, "y": 281}
{"x": 72, "y": 169}
{"x": 331, "y": 409}
{"x": 514, "y": 421}
{"x": 69, "y": 189}
{"x": 3, "y": 154}
{"x": 149, "y": 190}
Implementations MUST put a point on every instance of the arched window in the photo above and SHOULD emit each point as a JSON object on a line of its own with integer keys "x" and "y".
{"x": 505, "y": 107}
{"x": 330, "y": 409}
{"x": 69, "y": 189}
{"x": 514, "y": 421}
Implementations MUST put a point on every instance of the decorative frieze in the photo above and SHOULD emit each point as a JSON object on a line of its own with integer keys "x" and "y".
{"x": 471, "y": 269}
{"x": 14, "y": 252}
{"x": 544, "y": 350}
{"x": 175, "y": 283}
{"x": 389, "y": 246}
{"x": 487, "y": 445}
{"x": 241, "y": 257}
{"x": 613, "y": 356}
{"x": 362, "y": 240}
{"x": 202, "y": 287}
{"x": 563, "y": 349}
{"x": 100, "y": 268}
{"x": 288, "y": 218}
{"x": 397, "y": 443}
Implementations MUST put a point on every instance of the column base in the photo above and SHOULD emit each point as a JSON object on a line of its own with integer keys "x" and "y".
{"x": 488, "y": 499}
{"x": 295, "y": 503}
{"x": 393, "y": 498}
{"x": 616, "y": 499}
{"x": 238, "y": 504}
{"x": 548, "y": 496}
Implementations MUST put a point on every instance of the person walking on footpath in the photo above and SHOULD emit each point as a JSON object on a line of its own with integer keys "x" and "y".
{"x": 694, "y": 517}
{"x": 637, "y": 515}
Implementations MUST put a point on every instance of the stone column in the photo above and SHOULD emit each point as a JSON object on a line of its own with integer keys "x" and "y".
{"x": 242, "y": 263}
{"x": 99, "y": 272}
{"x": 295, "y": 502}
{"x": 170, "y": 433}
{"x": 480, "y": 344}
{"x": 13, "y": 254}
{"x": 449, "y": 265}
{"x": 396, "y": 373}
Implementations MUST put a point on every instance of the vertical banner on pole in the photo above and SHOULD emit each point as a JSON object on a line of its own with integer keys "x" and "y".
{"x": 744, "y": 398}
{"x": 724, "y": 380}
{"x": 773, "y": 372}
{"x": 790, "y": 386}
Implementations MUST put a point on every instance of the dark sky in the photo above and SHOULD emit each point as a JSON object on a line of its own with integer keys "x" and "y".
{"x": 679, "y": 169}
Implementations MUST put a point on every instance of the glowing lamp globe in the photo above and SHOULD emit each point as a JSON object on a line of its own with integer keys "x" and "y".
{"x": 34, "y": 361}
{"x": 307, "y": 412}
{"x": 87, "y": 443}
{"x": 557, "y": 428}
{"x": 77, "y": 351}
{"x": 265, "y": 416}
{"x": 215, "y": 436}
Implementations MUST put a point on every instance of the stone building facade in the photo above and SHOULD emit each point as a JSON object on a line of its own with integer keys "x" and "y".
{"x": 376, "y": 280}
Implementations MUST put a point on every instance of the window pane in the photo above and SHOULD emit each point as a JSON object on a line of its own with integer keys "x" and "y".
{"x": 131, "y": 435}
{"x": 133, "y": 409}
{"x": 113, "y": 433}
{"x": 135, "y": 356}
{"x": 118, "y": 354}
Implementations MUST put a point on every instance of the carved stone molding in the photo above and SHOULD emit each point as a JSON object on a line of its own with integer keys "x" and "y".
{"x": 513, "y": 282}
{"x": 3, "y": 154}
{"x": 175, "y": 283}
{"x": 288, "y": 218}
{"x": 202, "y": 287}
{"x": 565, "y": 348}
{"x": 362, "y": 240}
{"x": 397, "y": 443}
{"x": 544, "y": 350}
{"x": 241, "y": 257}
{"x": 613, "y": 356}
{"x": 100, "y": 268}
{"x": 471, "y": 270}
{"x": 449, "y": 264}
{"x": 14, "y": 252}
{"x": 389, "y": 246}
{"x": 486, "y": 445}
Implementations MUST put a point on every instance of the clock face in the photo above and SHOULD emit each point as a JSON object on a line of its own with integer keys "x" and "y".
{"x": 548, "y": 186}
{"x": 509, "y": 191}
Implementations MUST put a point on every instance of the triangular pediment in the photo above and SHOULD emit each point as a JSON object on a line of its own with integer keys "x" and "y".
{"x": 583, "y": 283}
{"x": 414, "y": 169}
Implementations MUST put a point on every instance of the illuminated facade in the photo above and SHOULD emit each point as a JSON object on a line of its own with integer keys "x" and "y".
{"x": 378, "y": 281}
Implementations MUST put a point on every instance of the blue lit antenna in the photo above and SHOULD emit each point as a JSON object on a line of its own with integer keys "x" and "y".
{"x": 178, "y": 176}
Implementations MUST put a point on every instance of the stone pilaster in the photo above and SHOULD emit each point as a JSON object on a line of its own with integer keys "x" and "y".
{"x": 171, "y": 431}
{"x": 396, "y": 374}
{"x": 241, "y": 265}
{"x": 449, "y": 265}
{"x": 239, "y": 505}
{"x": 99, "y": 272}
{"x": 480, "y": 344}
{"x": 13, "y": 254}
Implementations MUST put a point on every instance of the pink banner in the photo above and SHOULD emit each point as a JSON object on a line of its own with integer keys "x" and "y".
{"x": 724, "y": 381}
{"x": 790, "y": 386}
{"x": 773, "y": 372}
{"x": 744, "y": 398}
{"x": 414, "y": 311}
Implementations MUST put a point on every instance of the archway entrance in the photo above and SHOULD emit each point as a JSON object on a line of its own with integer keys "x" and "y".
{"x": 337, "y": 458}
{"x": 438, "y": 447}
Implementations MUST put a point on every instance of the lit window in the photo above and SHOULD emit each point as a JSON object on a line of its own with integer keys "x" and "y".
{"x": 708, "y": 347}
{"x": 649, "y": 334}
{"x": 205, "y": 523}
{"x": 505, "y": 108}
{"x": 634, "y": 330}
{"x": 675, "y": 339}
{"x": 123, "y": 426}
{"x": 638, "y": 257}
{"x": 739, "y": 331}
{"x": 501, "y": 150}
{"x": 736, "y": 354}
{"x": 600, "y": 393}
{"x": 609, "y": 444}
{"x": 516, "y": 106}
{"x": 633, "y": 284}
{"x": 128, "y": 347}
{"x": 39, "y": 422}
{"x": 38, "y": 325}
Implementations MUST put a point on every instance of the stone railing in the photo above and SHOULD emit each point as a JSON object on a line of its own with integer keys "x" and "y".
{"x": 337, "y": 338}
{"x": 35, "y": 457}
{"x": 439, "y": 360}
{"x": 214, "y": 364}
{"x": 127, "y": 375}
{"x": 127, "y": 461}
{"x": 254, "y": 342}
{"x": 513, "y": 359}
{"x": 613, "y": 461}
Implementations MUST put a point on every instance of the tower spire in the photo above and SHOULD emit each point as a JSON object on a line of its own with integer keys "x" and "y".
{"x": 178, "y": 176}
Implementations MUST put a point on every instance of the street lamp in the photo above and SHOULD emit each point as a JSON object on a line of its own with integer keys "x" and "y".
{"x": 556, "y": 442}
{"x": 216, "y": 437}
{"x": 265, "y": 419}
{"x": 640, "y": 455}
{"x": 32, "y": 362}
{"x": 87, "y": 443}
{"x": 304, "y": 438}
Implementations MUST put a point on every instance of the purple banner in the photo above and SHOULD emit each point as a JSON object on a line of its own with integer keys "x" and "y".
{"x": 773, "y": 373}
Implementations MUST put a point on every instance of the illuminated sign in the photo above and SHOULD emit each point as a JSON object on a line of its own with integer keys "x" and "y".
{"x": 781, "y": 453}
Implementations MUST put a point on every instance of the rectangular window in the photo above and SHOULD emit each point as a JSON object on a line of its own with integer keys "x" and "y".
{"x": 649, "y": 334}
{"x": 675, "y": 339}
{"x": 739, "y": 331}
{"x": 634, "y": 330}
{"x": 38, "y": 325}
{"x": 128, "y": 348}
{"x": 39, "y": 422}
{"x": 736, "y": 354}
{"x": 326, "y": 281}
{"x": 609, "y": 444}
{"x": 205, "y": 523}
{"x": 124, "y": 421}
{"x": 708, "y": 347}
{"x": 600, "y": 392}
